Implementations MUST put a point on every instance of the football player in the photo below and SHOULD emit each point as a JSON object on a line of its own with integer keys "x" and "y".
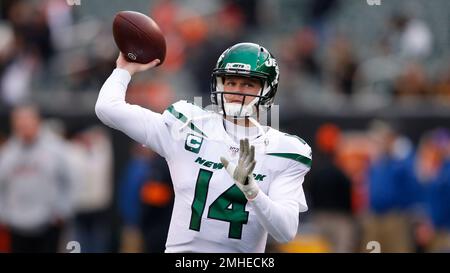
{"x": 235, "y": 181}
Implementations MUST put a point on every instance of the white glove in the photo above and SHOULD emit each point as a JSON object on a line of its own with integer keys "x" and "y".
{"x": 242, "y": 174}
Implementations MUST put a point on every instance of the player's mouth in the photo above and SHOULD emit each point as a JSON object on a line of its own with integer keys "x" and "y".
{"x": 235, "y": 101}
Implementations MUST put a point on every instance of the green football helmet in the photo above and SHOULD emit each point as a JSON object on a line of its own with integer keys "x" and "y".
{"x": 246, "y": 60}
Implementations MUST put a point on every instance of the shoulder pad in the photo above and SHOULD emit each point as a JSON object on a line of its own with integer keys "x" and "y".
{"x": 291, "y": 147}
{"x": 184, "y": 113}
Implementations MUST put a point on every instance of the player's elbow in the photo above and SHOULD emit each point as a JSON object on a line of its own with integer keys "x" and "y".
{"x": 101, "y": 110}
{"x": 291, "y": 235}
{"x": 289, "y": 231}
{"x": 286, "y": 236}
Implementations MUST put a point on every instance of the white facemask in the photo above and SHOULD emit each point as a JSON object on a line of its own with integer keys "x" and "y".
{"x": 236, "y": 109}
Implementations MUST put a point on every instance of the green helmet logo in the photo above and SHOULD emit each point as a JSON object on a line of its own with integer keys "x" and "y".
{"x": 247, "y": 60}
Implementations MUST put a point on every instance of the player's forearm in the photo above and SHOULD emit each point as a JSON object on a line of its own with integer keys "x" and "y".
{"x": 113, "y": 111}
{"x": 139, "y": 123}
{"x": 112, "y": 96}
{"x": 279, "y": 219}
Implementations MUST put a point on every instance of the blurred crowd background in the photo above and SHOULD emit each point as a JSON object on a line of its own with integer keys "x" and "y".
{"x": 367, "y": 86}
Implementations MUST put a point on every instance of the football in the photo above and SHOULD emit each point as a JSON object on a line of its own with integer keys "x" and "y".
{"x": 138, "y": 37}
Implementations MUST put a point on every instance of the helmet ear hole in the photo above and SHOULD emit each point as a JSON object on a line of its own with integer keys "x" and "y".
{"x": 263, "y": 83}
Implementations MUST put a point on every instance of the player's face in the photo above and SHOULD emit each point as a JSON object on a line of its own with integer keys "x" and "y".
{"x": 241, "y": 85}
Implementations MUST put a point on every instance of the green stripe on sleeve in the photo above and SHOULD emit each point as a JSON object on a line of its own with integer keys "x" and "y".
{"x": 300, "y": 158}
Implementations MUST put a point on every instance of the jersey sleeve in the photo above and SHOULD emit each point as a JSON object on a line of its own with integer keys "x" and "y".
{"x": 278, "y": 210}
{"x": 141, "y": 124}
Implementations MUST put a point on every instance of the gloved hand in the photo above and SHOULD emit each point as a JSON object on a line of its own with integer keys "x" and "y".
{"x": 242, "y": 174}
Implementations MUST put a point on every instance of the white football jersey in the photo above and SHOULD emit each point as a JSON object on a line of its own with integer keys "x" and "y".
{"x": 210, "y": 213}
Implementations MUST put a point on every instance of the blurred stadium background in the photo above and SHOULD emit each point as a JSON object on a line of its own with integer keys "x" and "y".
{"x": 367, "y": 86}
